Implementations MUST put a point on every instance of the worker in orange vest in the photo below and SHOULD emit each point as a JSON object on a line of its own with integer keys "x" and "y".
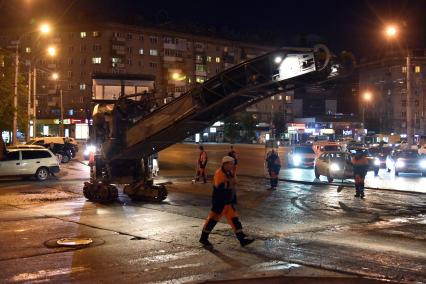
{"x": 223, "y": 200}
{"x": 360, "y": 165}
{"x": 202, "y": 164}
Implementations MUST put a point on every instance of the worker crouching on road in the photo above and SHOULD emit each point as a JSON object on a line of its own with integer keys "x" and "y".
{"x": 223, "y": 200}
{"x": 273, "y": 164}
{"x": 360, "y": 165}
{"x": 202, "y": 164}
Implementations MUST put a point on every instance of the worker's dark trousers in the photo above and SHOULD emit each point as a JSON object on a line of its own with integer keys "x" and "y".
{"x": 273, "y": 178}
{"x": 359, "y": 185}
{"x": 232, "y": 218}
{"x": 201, "y": 172}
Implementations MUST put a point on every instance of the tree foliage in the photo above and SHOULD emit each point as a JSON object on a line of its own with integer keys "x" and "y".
{"x": 7, "y": 78}
{"x": 248, "y": 124}
{"x": 231, "y": 129}
{"x": 279, "y": 123}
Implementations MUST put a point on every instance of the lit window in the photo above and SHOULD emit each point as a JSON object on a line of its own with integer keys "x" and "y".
{"x": 115, "y": 60}
{"x": 96, "y": 60}
{"x": 288, "y": 98}
{"x": 217, "y": 59}
{"x": 71, "y": 112}
{"x": 199, "y": 67}
{"x": 209, "y": 59}
{"x": 82, "y": 86}
{"x": 140, "y": 51}
{"x": 199, "y": 57}
{"x": 404, "y": 69}
{"x": 96, "y": 34}
{"x": 273, "y": 98}
{"x": 417, "y": 69}
{"x": 280, "y": 98}
{"x": 153, "y": 52}
{"x": 82, "y": 34}
{"x": 27, "y": 49}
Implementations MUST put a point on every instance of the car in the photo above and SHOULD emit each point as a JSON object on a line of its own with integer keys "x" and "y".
{"x": 334, "y": 165}
{"x": 301, "y": 156}
{"x": 406, "y": 161}
{"x": 373, "y": 162}
{"x": 320, "y": 147}
{"x": 57, "y": 146}
{"x": 381, "y": 153}
{"x": 37, "y": 162}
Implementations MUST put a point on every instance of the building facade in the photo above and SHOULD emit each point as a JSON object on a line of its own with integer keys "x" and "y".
{"x": 177, "y": 60}
{"x": 386, "y": 81}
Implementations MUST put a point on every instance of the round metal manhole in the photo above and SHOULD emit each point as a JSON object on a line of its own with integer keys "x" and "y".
{"x": 73, "y": 243}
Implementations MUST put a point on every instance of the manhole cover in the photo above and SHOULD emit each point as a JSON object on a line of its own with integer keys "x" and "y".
{"x": 72, "y": 242}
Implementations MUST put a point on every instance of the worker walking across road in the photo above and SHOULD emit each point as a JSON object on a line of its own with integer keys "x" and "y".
{"x": 360, "y": 165}
{"x": 273, "y": 164}
{"x": 223, "y": 201}
{"x": 202, "y": 164}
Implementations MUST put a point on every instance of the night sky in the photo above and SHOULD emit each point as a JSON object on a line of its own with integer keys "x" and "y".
{"x": 356, "y": 25}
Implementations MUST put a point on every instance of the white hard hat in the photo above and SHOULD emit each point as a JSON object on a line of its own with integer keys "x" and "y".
{"x": 227, "y": 159}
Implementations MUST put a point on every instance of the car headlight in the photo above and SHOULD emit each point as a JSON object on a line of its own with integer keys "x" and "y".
{"x": 297, "y": 160}
{"x": 334, "y": 167}
{"x": 377, "y": 162}
{"x": 400, "y": 164}
{"x": 90, "y": 149}
{"x": 423, "y": 164}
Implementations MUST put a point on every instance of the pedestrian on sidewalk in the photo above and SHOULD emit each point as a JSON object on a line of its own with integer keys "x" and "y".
{"x": 202, "y": 164}
{"x": 273, "y": 164}
{"x": 360, "y": 165}
{"x": 223, "y": 201}
{"x": 232, "y": 153}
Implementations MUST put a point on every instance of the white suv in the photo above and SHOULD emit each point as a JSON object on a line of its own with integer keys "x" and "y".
{"x": 38, "y": 162}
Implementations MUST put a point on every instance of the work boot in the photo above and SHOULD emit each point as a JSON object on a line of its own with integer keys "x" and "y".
{"x": 204, "y": 239}
{"x": 244, "y": 240}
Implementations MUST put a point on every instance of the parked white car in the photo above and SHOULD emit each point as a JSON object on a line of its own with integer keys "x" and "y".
{"x": 37, "y": 162}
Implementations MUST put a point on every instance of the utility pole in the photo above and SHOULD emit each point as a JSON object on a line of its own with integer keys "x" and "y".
{"x": 61, "y": 125}
{"x": 29, "y": 105}
{"x": 35, "y": 102}
{"x": 410, "y": 130}
{"x": 15, "y": 98}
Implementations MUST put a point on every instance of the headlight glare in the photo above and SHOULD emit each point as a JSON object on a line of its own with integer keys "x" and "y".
{"x": 400, "y": 164}
{"x": 334, "y": 167}
{"x": 377, "y": 162}
{"x": 297, "y": 160}
{"x": 423, "y": 164}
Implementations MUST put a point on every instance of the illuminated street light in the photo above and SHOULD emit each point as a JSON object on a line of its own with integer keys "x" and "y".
{"x": 55, "y": 76}
{"x": 175, "y": 76}
{"x": 178, "y": 76}
{"x": 391, "y": 31}
{"x": 45, "y": 28}
{"x": 367, "y": 96}
{"x": 51, "y": 50}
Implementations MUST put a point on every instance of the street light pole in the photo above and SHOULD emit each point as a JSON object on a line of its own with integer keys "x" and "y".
{"x": 61, "y": 125}
{"x": 409, "y": 116}
{"x": 29, "y": 104}
{"x": 15, "y": 98}
{"x": 35, "y": 102}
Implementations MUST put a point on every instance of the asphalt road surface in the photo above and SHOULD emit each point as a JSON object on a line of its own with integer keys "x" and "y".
{"x": 304, "y": 233}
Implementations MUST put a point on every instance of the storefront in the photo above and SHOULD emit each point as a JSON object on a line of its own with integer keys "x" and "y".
{"x": 75, "y": 128}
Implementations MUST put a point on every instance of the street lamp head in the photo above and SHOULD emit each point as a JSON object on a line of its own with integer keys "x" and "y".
{"x": 55, "y": 76}
{"x": 175, "y": 76}
{"x": 44, "y": 28}
{"x": 391, "y": 31}
{"x": 367, "y": 96}
{"x": 51, "y": 51}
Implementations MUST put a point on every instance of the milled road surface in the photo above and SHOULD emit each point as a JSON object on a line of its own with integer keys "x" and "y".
{"x": 304, "y": 233}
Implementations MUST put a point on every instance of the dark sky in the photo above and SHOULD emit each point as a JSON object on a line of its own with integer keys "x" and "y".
{"x": 353, "y": 25}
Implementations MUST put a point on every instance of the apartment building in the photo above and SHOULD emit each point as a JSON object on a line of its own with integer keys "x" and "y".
{"x": 177, "y": 60}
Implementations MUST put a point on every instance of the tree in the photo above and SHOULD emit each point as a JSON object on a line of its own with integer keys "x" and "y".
{"x": 231, "y": 129}
{"x": 248, "y": 124}
{"x": 7, "y": 79}
{"x": 279, "y": 124}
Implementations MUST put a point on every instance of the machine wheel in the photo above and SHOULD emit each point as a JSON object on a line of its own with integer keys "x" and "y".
{"x": 317, "y": 175}
{"x": 42, "y": 173}
{"x": 100, "y": 192}
{"x": 65, "y": 159}
{"x": 146, "y": 192}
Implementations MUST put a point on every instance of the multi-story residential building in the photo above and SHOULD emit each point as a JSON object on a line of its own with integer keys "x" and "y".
{"x": 177, "y": 60}
{"x": 385, "y": 80}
